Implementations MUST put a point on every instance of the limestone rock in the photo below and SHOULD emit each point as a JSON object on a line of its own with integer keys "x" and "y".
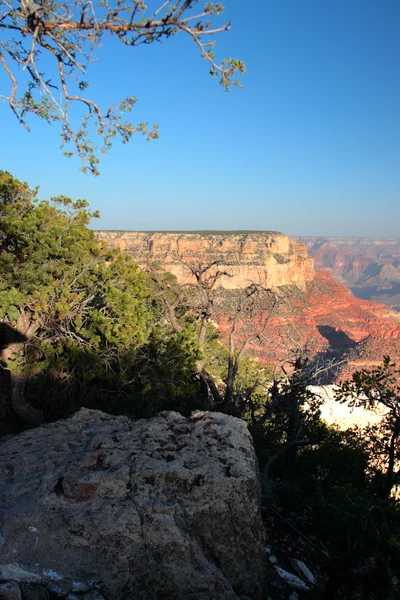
{"x": 13, "y": 572}
{"x": 366, "y": 265}
{"x": 292, "y": 580}
{"x": 162, "y": 508}
{"x": 323, "y": 313}
{"x": 302, "y": 570}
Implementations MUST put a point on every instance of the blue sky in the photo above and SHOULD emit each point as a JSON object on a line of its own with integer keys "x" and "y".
{"x": 310, "y": 146}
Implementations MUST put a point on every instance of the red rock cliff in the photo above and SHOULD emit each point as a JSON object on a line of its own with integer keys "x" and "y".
{"x": 271, "y": 259}
{"x": 325, "y": 316}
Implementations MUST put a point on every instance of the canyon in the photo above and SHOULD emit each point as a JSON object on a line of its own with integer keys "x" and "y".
{"x": 370, "y": 267}
{"x": 313, "y": 310}
{"x": 270, "y": 259}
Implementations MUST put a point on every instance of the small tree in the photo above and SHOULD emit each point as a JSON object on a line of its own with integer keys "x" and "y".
{"x": 290, "y": 416}
{"x": 45, "y": 48}
{"x": 379, "y": 388}
{"x": 200, "y": 302}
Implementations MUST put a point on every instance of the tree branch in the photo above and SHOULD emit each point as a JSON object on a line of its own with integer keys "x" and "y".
{"x": 70, "y": 33}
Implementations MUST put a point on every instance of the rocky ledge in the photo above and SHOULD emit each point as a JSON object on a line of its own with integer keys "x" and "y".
{"x": 99, "y": 506}
{"x": 271, "y": 259}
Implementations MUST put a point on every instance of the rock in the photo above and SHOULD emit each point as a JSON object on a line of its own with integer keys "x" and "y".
{"x": 10, "y": 591}
{"x": 268, "y": 258}
{"x": 169, "y": 507}
{"x": 31, "y": 591}
{"x": 366, "y": 264}
{"x": 292, "y": 580}
{"x": 302, "y": 570}
{"x": 80, "y": 587}
{"x": 14, "y": 572}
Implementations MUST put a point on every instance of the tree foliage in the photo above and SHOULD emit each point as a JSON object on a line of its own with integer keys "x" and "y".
{"x": 87, "y": 315}
{"x": 227, "y": 385}
{"x": 46, "y": 46}
{"x": 379, "y": 388}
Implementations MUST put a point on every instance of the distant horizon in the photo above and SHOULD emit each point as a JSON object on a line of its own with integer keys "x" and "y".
{"x": 249, "y": 231}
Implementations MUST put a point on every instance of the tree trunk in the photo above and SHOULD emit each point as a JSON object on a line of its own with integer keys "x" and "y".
{"x": 208, "y": 382}
{"x": 202, "y": 333}
{"x": 230, "y": 382}
{"x": 16, "y": 339}
{"x": 20, "y": 406}
{"x": 291, "y": 433}
{"x": 384, "y": 485}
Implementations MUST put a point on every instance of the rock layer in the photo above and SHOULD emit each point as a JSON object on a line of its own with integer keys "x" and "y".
{"x": 166, "y": 508}
{"x": 370, "y": 267}
{"x": 325, "y": 316}
{"x": 271, "y": 259}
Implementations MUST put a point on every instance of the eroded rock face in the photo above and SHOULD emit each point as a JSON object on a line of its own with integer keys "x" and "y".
{"x": 166, "y": 508}
{"x": 326, "y": 316}
{"x": 271, "y": 259}
{"x": 370, "y": 267}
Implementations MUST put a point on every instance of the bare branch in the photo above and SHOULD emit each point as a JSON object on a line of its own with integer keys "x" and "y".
{"x": 70, "y": 32}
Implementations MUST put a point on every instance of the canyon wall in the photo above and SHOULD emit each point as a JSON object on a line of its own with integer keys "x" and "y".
{"x": 370, "y": 267}
{"x": 314, "y": 310}
{"x": 271, "y": 259}
{"x": 326, "y": 318}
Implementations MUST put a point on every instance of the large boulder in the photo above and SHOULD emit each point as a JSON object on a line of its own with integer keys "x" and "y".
{"x": 165, "y": 508}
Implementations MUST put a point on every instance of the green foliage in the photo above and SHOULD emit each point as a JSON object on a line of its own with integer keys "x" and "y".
{"x": 215, "y": 354}
{"x": 94, "y": 313}
{"x": 286, "y": 420}
{"x": 251, "y": 384}
{"x": 330, "y": 498}
{"x": 379, "y": 387}
{"x": 166, "y": 365}
{"x": 332, "y": 493}
{"x": 371, "y": 387}
{"x": 48, "y": 46}
{"x": 340, "y": 459}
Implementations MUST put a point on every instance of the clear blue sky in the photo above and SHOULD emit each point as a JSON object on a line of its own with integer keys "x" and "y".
{"x": 311, "y": 146}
